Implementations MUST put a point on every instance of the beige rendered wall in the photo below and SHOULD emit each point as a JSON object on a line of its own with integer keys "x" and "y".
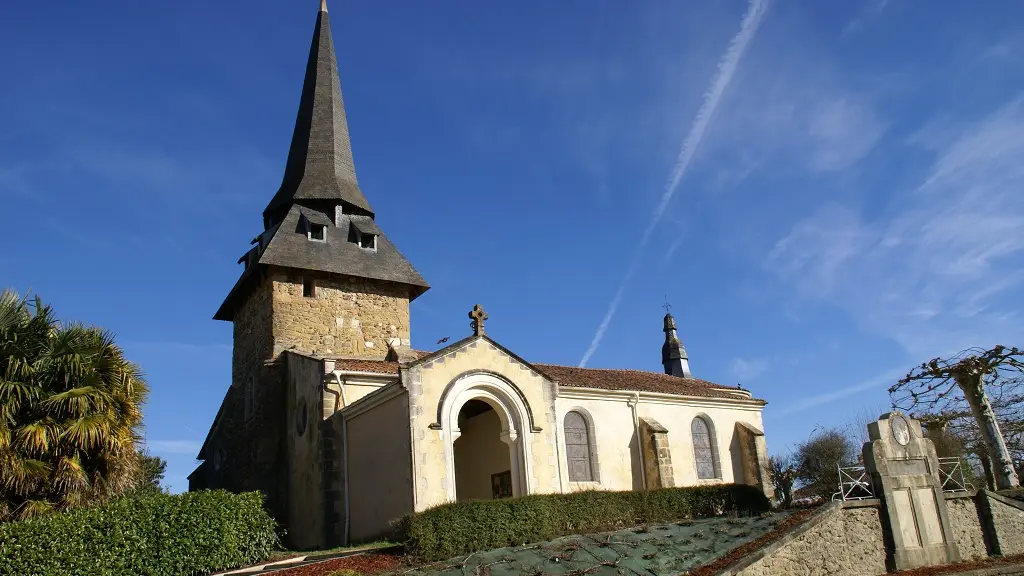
{"x": 616, "y": 440}
{"x": 427, "y": 382}
{"x": 305, "y": 514}
{"x": 840, "y": 542}
{"x": 967, "y": 532}
{"x": 379, "y": 468}
{"x": 479, "y": 451}
{"x": 348, "y": 316}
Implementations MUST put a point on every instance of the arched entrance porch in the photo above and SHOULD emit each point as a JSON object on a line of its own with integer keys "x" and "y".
{"x": 487, "y": 452}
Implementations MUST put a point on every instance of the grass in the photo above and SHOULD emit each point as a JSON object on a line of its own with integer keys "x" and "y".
{"x": 285, "y": 554}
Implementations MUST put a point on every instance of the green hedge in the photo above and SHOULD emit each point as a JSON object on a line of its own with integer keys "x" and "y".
{"x": 459, "y": 528}
{"x": 155, "y": 534}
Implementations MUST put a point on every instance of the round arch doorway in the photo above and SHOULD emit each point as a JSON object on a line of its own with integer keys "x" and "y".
{"x": 479, "y": 474}
{"x": 483, "y": 460}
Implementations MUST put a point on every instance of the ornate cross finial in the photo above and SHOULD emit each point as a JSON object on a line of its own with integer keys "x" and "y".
{"x": 478, "y": 316}
{"x": 667, "y": 306}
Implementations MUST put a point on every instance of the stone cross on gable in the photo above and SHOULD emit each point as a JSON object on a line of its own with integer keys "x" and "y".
{"x": 478, "y": 316}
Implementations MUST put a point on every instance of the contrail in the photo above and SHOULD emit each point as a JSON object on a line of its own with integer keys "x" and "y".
{"x": 726, "y": 68}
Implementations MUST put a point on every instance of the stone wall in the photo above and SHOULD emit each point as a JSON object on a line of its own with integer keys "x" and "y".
{"x": 246, "y": 449}
{"x": 346, "y": 317}
{"x": 1007, "y": 521}
{"x": 836, "y": 541}
{"x": 967, "y": 531}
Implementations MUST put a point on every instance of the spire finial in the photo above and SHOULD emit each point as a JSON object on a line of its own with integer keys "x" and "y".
{"x": 323, "y": 5}
{"x": 667, "y": 306}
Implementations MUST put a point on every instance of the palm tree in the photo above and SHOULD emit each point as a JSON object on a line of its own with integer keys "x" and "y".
{"x": 70, "y": 412}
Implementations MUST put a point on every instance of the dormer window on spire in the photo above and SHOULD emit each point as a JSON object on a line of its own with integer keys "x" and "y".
{"x": 364, "y": 232}
{"x": 315, "y": 225}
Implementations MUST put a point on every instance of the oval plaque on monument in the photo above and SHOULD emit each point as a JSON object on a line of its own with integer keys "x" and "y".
{"x": 900, "y": 429}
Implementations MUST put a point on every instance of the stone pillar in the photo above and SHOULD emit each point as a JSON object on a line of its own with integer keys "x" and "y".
{"x": 657, "y": 455}
{"x": 754, "y": 456}
{"x": 904, "y": 472}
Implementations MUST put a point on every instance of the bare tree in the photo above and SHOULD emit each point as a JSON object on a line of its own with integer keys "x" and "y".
{"x": 932, "y": 388}
{"x": 857, "y": 426}
{"x": 784, "y": 470}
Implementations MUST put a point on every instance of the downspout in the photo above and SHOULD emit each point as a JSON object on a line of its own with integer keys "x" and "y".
{"x": 639, "y": 441}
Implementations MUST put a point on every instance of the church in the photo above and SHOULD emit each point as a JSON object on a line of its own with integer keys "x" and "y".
{"x": 345, "y": 427}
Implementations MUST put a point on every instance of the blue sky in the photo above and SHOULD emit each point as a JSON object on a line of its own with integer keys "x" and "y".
{"x": 850, "y": 197}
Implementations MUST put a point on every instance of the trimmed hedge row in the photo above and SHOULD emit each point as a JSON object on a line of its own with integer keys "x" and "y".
{"x": 459, "y": 528}
{"x": 153, "y": 535}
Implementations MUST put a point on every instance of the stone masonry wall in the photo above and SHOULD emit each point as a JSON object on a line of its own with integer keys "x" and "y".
{"x": 1008, "y": 521}
{"x": 346, "y": 317}
{"x": 967, "y": 532}
{"x": 847, "y": 542}
{"x": 250, "y": 445}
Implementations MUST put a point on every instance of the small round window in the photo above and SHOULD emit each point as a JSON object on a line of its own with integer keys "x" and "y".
{"x": 301, "y": 417}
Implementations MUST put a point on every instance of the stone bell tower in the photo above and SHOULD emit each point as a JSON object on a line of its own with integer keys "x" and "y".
{"x": 322, "y": 278}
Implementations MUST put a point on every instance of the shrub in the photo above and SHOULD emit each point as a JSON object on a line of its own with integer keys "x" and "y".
{"x": 152, "y": 534}
{"x": 463, "y": 527}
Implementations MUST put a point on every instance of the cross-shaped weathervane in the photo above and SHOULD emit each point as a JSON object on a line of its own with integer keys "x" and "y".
{"x": 667, "y": 306}
{"x": 478, "y": 316}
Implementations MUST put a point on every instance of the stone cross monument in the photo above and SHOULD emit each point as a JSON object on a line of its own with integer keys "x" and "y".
{"x": 904, "y": 470}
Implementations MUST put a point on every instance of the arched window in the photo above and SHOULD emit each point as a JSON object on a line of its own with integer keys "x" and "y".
{"x": 577, "y": 448}
{"x": 703, "y": 448}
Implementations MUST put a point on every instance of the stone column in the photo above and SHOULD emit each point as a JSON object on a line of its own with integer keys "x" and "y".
{"x": 904, "y": 472}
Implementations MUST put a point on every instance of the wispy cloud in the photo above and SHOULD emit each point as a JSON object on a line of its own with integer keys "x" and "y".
{"x": 930, "y": 271}
{"x": 872, "y": 10}
{"x": 844, "y": 131}
{"x": 726, "y": 68}
{"x": 744, "y": 369}
{"x": 879, "y": 382}
{"x": 175, "y": 447}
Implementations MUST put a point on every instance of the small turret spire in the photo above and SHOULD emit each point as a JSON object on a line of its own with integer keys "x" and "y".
{"x": 673, "y": 354}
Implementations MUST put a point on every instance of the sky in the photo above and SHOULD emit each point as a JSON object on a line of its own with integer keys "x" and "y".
{"x": 827, "y": 193}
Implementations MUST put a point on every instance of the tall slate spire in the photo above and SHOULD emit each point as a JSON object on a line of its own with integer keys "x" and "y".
{"x": 673, "y": 354}
{"x": 320, "y": 165}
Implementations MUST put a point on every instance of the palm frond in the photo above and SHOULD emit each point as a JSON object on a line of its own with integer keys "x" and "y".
{"x": 88, "y": 432}
{"x": 34, "y": 509}
{"x": 35, "y": 437}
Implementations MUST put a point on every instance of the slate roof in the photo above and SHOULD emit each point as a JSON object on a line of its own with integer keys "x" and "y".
{"x": 594, "y": 378}
{"x": 320, "y": 164}
{"x": 289, "y": 247}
